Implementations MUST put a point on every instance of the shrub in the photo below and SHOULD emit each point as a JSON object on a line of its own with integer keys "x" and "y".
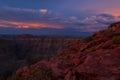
{"x": 109, "y": 29}
{"x": 38, "y": 73}
{"x": 116, "y": 39}
{"x": 88, "y": 39}
{"x": 92, "y": 49}
{"x": 15, "y": 77}
{"x": 42, "y": 73}
{"x": 62, "y": 57}
{"x": 105, "y": 47}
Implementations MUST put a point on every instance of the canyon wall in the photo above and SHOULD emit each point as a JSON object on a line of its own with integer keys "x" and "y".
{"x": 18, "y": 51}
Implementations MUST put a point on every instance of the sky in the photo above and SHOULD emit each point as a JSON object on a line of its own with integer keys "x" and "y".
{"x": 57, "y": 17}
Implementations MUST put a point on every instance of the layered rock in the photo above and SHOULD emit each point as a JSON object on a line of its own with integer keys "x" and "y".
{"x": 22, "y": 50}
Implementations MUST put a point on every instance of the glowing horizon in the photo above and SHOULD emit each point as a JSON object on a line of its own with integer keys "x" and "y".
{"x": 29, "y": 25}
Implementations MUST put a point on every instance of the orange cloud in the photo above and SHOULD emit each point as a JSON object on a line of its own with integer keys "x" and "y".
{"x": 30, "y": 25}
{"x": 115, "y": 13}
{"x": 43, "y": 11}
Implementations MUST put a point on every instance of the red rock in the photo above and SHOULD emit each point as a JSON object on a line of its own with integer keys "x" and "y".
{"x": 66, "y": 71}
{"x": 76, "y": 61}
{"x": 68, "y": 76}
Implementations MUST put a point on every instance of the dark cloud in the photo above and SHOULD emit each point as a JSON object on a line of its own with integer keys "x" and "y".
{"x": 18, "y": 14}
{"x": 106, "y": 19}
{"x": 107, "y": 16}
{"x": 105, "y": 22}
{"x": 28, "y": 15}
{"x": 93, "y": 22}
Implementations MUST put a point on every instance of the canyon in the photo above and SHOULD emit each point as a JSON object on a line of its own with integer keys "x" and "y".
{"x": 96, "y": 57}
{"x": 22, "y": 50}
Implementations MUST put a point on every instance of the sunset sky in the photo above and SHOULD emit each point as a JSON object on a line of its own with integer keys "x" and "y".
{"x": 57, "y": 17}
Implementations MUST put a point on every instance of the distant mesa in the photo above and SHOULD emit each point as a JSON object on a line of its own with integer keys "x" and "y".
{"x": 25, "y": 36}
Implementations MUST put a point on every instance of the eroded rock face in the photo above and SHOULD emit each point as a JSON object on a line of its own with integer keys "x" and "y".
{"x": 98, "y": 59}
{"x": 22, "y": 50}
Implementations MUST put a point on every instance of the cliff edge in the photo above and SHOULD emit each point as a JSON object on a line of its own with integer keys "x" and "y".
{"x": 95, "y": 58}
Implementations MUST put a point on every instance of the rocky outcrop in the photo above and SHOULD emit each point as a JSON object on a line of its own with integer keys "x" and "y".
{"x": 115, "y": 26}
{"x": 97, "y": 59}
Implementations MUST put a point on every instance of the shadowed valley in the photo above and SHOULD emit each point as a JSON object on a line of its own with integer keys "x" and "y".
{"x": 22, "y": 50}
